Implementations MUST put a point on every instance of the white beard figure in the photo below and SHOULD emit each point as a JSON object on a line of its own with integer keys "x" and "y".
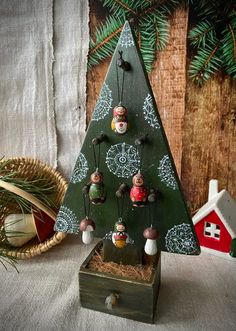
{"x": 121, "y": 127}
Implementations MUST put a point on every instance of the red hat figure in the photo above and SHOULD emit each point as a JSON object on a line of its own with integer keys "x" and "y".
{"x": 138, "y": 192}
{"x": 119, "y": 122}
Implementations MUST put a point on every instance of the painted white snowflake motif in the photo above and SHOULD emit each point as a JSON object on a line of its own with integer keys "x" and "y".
{"x": 150, "y": 113}
{"x": 123, "y": 160}
{"x": 80, "y": 170}
{"x": 66, "y": 221}
{"x": 126, "y": 37}
{"x": 180, "y": 239}
{"x": 166, "y": 173}
{"x": 103, "y": 105}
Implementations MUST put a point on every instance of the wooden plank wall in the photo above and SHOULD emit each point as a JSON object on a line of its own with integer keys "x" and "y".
{"x": 199, "y": 122}
{"x": 209, "y": 138}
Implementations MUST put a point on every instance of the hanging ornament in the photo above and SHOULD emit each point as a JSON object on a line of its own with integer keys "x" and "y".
{"x": 87, "y": 225}
{"x": 138, "y": 192}
{"x": 95, "y": 188}
{"x": 151, "y": 235}
{"x": 120, "y": 236}
{"x": 119, "y": 122}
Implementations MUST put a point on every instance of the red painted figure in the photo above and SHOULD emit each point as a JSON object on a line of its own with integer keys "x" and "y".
{"x": 138, "y": 193}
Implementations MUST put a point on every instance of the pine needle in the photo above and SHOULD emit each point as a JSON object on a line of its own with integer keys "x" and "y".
{"x": 151, "y": 24}
{"x": 214, "y": 38}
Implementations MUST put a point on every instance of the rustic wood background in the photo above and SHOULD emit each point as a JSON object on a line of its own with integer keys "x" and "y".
{"x": 200, "y": 123}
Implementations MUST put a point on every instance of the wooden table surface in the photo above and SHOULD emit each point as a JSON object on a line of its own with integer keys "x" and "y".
{"x": 197, "y": 293}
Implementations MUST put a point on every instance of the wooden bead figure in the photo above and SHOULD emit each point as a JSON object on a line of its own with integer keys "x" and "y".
{"x": 96, "y": 188}
{"x": 119, "y": 122}
{"x": 138, "y": 192}
{"x": 120, "y": 237}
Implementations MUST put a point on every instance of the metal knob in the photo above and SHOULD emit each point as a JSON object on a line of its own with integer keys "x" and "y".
{"x": 111, "y": 300}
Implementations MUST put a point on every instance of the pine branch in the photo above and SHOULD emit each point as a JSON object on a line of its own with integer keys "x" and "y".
{"x": 215, "y": 38}
{"x": 228, "y": 48}
{"x": 7, "y": 260}
{"x": 205, "y": 64}
{"x": 122, "y": 7}
{"x": 107, "y": 36}
{"x": 162, "y": 31}
{"x": 202, "y": 34}
{"x": 148, "y": 38}
{"x": 206, "y": 9}
{"x": 153, "y": 13}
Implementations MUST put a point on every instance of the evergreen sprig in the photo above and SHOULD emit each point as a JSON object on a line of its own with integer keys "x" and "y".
{"x": 150, "y": 21}
{"x": 205, "y": 64}
{"x": 214, "y": 38}
{"x": 106, "y": 38}
{"x": 229, "y": 48}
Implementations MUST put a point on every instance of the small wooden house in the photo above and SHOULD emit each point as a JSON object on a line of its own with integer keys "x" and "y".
{"x": 215, "y": 223}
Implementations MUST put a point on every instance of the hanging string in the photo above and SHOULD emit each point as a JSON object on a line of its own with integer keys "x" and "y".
{"x": 149, "y": 215}
{"x": 120, "y": 207}
{"x": 120, "y": 92}
{"x": 141, "y": 156}
{"x": 96, "y": 158}
{"x": 86, "y": 208}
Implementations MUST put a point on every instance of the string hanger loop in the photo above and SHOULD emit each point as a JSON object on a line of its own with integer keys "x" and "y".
{"x": 121, "y": 63}
{"x": 97, "y": 141}
{"x": 140, "y": 142}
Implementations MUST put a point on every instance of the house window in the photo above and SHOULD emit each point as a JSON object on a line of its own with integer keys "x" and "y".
{"x": 212, "y": 230}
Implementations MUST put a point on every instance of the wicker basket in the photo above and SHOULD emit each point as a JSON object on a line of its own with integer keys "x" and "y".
{"x": 30, "y": 169}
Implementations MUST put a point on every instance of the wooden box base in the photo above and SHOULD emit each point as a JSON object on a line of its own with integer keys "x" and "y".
{"x": 119, "y": 296}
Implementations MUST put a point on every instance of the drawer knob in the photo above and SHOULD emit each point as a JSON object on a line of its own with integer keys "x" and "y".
{"x": 111, "y": 300}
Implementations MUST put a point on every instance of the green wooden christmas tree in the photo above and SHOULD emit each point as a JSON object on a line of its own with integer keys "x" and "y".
{"x": 124, "y": 187}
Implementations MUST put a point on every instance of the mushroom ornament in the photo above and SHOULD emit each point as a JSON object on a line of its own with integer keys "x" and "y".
{"x": 151, "y": 235}
{"x": 19, "y": 229}
{"x": 138, "y": 192}
{"x": 87, "y": 226}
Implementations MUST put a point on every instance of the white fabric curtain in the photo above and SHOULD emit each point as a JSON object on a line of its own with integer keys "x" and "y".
{"x": 43, "y": 59}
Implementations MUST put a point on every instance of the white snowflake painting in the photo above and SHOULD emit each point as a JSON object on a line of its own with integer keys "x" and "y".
{"x": 80, "y": 170}
{"x": 180, "y": 239}
{"x": 126, "y": 38}
{"x": 66, "y": 221}
{"x": 123, "y": 160}
{"x": 166, "y": 173}
{"x": 104, "y": 103}
{"x": 150, "y": 113}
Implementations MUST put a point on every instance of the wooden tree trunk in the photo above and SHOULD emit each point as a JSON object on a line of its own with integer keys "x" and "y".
{"x": 199, "y": 122}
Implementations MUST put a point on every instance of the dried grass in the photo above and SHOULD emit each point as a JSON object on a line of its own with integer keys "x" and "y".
{"x": 139, "y": 272}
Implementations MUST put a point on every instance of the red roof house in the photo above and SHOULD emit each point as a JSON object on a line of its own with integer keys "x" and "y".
{"x": 215, "y": 223}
